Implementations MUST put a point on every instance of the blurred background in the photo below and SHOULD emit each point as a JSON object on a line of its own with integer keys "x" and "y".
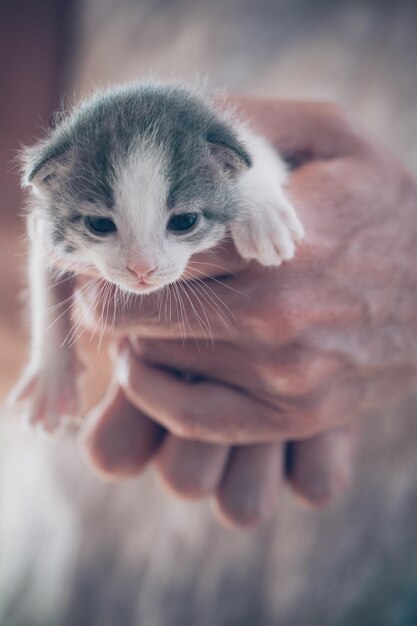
{"x": 75, "y": 551}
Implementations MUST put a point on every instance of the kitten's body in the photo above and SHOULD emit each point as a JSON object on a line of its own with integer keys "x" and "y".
{"x": 128, "y": 187}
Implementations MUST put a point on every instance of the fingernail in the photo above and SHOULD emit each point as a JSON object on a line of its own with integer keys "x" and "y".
{"x": 122, "y": 365}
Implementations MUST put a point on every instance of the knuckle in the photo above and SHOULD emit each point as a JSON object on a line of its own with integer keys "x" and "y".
{"x": 306, "y": 419}
{"x": 306, "y": 375}
{"x": 282, "y": 317}
{"x": 296, "y": 381}
{"x": 298, "y": 370}
{"x": 293, "y": 370}
{"x": 304, "y": 381}
{"x": 186, "y": 424}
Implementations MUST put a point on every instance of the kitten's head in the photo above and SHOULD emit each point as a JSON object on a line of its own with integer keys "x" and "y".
{"x": 135, "y": 181}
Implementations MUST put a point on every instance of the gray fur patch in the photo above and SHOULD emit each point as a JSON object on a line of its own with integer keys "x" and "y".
{"x": 79, "y": 159}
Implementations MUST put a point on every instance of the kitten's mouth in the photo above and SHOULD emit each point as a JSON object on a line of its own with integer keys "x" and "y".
{"x": 143, "y": 287}
{"x": 143, "y": 283}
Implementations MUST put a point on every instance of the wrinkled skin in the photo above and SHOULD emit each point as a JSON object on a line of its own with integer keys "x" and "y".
{"x": 309, "y": 350}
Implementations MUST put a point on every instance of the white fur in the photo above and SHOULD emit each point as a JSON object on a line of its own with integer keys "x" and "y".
{"x": 50, "y": 378}
{"x": 140, "y": 199}
{"x": 268, "y": 228}
{"x": 140, "y": 214}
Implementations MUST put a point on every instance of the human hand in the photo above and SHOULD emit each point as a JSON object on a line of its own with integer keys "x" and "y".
{"x": 309, "y": 349}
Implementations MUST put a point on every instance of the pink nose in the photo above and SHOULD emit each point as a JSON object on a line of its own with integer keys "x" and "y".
{"x": 142, "y": 271}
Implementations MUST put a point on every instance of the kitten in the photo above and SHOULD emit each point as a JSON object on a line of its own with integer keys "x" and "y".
{"x": 128, "y": 187}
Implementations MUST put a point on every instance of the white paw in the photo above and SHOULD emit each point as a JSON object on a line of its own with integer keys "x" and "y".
{"x": 48, "y": 397}
{"x": 269, "y": 236}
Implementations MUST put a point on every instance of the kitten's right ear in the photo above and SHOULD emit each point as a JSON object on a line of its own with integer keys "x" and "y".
{"x": 228, "y": 150}
{"x": 41, "y": 165}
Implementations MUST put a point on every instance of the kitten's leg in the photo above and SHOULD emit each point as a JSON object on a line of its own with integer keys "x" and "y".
{"x": 48, "y": 386}
{"x": 268, "y": 231}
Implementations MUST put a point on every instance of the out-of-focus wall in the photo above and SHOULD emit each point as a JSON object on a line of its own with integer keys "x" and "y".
{"x": 360, "y": 53}
{"x": 34, "y": 38}
{"x": 74, "y": 551}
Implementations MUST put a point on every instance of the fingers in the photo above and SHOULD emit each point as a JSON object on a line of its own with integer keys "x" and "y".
{"x": 320, "y": 469}
{"x": 191, "y": 469}
{"x": 245, "y": 482}
{"x": 250, "y": 488}
{"x": 223, "y": 362}
{"x": 291, "y": 370}
{"x": 201, "y": 409}
{"x": 118, "y": 438}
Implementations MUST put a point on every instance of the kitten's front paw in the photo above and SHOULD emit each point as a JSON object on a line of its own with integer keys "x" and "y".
{"x": 269, "y": 236}
{"x": 47, "y": 397}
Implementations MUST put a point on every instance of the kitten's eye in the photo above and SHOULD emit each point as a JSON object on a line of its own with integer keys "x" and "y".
{"x": 182, "y": 222}
{"x": 100, "y": 226}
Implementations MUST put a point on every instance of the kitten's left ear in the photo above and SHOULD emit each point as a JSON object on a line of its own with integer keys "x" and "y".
{"x": 41, "y": 163}
{"x": 228, "y": 151}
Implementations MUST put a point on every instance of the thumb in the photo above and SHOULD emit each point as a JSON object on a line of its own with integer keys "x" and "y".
{"x": 309, "y": 130}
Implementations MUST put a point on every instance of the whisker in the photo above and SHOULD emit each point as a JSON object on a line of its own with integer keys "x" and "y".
{"x": 221, "y": 267}
{"x": 72, "y": 337}
{"x": 81, "y": 290}
{"x": 179, "y": 313}
{"x": 215, "y": 295}
{"x": 105, "y": 315}
{"x": 200, "y": 321}
{"x": 212, "y": 296}
{"x": 220, "y": 282}
{"x": 213, "y": 306}
{"x": 96, "y": 297}
{"x": 204, "y": 324}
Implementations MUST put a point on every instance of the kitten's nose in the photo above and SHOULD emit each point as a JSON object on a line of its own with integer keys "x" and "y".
{"x": 141, "y": 270}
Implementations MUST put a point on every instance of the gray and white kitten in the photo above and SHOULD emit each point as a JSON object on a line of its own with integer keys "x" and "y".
{"x": 128, "y": 187}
